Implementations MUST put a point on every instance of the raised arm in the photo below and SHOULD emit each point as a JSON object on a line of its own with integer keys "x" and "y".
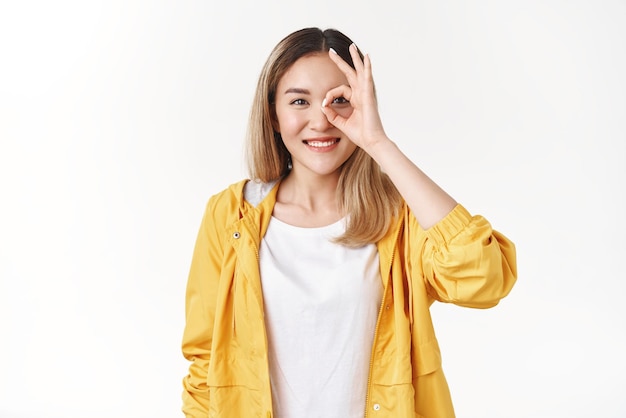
{"x": 428, "y": 202}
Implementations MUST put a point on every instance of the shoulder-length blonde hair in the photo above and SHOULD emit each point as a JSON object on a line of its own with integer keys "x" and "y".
{"x": 365, "y": 194}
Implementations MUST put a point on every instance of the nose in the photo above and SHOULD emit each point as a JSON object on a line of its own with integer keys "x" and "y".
{"x": 318, "y": 120}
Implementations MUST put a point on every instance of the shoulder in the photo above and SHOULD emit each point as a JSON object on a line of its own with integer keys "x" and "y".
{"x": 235, "y": 196}
{"x": 226, "y": 201}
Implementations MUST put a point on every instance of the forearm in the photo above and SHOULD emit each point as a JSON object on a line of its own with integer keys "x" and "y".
{"x": 428, "y": 202}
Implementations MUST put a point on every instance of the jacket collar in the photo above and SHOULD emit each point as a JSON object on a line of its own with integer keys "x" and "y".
{"x": 257, "y": 199}
{"x": 256, "y": 203}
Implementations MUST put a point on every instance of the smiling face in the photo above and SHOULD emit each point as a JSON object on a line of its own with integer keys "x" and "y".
{"x": 315, "y": 145}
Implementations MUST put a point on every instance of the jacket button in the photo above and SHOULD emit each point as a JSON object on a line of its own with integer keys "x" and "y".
{"x": 376, "y": 407}
{"x": 236, "y": 235}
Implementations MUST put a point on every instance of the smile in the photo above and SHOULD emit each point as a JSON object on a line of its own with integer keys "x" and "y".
{"x": 317, "y": 143}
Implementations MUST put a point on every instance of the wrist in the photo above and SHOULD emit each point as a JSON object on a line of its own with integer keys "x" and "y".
{"x": 377, "y": 148}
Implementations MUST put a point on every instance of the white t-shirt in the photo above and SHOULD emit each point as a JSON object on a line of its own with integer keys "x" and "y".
{"x": 321, "y": 305}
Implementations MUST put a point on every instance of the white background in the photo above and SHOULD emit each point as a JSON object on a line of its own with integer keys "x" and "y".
{"x": 118, "y": 119}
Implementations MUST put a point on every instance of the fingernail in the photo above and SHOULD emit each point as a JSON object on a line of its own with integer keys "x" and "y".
{"x": 324, "y": 102}
{"x": 333, "y": 51}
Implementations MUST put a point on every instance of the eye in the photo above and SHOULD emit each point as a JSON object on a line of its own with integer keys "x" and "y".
{"x": 340, "y": 101}
{"x": 299, "y": 102}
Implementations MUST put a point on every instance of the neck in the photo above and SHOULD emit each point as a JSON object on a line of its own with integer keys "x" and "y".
{"x": 310, "y": 192}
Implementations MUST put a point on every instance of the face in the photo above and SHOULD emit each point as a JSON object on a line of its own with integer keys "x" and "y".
{"x": 315, "y": 145}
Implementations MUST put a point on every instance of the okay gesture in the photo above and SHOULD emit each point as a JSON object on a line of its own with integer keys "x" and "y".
{"x": 363, "y": 126}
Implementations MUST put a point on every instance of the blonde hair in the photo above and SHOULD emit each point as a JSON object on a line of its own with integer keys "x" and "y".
{"x": 365, "y": 194}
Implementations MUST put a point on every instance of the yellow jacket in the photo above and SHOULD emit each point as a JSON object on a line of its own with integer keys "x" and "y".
{"x": 461, "y": 260}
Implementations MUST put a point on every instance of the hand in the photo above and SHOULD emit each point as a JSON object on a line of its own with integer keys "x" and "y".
{"x": 363, "y": 126}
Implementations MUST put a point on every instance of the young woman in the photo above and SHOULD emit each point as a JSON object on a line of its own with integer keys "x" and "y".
{"x": 310, "y": 284}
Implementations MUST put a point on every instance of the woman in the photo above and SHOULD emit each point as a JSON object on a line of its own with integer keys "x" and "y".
{"x": 310, "y": 285}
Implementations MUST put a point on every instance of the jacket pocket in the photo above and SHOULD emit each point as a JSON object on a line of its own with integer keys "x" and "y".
{"x": 234, "y": 368}
{"x": 234, "y": 402}
{"x": 426, "y": 358}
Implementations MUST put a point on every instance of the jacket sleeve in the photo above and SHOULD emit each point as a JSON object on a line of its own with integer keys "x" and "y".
{"x": 465, "y": 262}
{"x": 200, "y": 302}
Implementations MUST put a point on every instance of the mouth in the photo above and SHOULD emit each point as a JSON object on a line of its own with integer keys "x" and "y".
{"x": 321, "y": 143}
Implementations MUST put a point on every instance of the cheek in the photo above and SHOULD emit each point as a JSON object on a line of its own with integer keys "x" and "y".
{"x": 289, "y": 123}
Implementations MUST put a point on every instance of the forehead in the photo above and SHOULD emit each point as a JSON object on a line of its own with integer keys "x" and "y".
{"x": 312, "y": 72}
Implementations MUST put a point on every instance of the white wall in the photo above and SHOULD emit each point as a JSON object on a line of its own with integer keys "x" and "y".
{"x": 119, "y": 119}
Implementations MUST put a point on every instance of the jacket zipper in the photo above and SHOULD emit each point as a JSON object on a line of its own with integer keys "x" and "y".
{"x": 258, "y": 261}
{"x": 380, "y": 315}
{"x": 369, "y": 375}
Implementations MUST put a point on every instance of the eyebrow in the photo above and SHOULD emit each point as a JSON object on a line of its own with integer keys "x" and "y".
{"x": 297, "y": 91}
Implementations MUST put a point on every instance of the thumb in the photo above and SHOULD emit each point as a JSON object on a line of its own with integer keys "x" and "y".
{"x": 333, "y": 117}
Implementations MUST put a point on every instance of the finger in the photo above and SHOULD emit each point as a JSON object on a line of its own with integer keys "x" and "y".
{"x": 334, "y": 117}
{"x": 330, "y": 111}
{"x": 335, "y": 93}
{"x": 367, "y": 66}
{"x": 343, "y": 66}
{"x": 356, "y": 58}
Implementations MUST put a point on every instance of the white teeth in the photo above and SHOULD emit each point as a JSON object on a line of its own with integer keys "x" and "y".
{"x": 320, "y": 144}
